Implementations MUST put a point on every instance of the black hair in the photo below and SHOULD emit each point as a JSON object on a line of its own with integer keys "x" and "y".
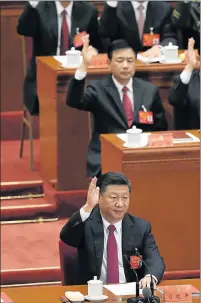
{"x": 116, "y": 45}
{"x": 112, "y": 178}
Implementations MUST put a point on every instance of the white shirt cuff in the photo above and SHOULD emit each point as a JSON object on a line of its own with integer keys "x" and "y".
{"x": 185, "y": 77}
{"x": 156, "y": 280}
{"x": 80, "y": 75}
{"x": 34, "y": 3}
{"x": 84, "y": 215}
{"x": 112, "y": 3}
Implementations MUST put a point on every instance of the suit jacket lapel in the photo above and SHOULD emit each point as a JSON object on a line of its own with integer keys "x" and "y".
{"x": 127, "y": 16}
{"x": 138, "y": 99}
{"x": 112, "y": 91}
{"x": 53, "y": 20}
{"x": 98, "y": 235}
{"x": 128, "y": 241}
{"x": 74, "y": 22}
{"x": 77, "y": 20}
{"x": 149, "y": 17}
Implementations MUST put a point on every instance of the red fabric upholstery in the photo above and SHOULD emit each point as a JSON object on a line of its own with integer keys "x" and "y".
{"x": 68, "y": 262}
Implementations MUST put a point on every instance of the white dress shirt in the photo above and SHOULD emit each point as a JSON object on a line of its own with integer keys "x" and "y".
{"x": 59, "y": 9}
{"x": 81, "y": 75}
{"x": 119, "y": 87}
{"x": 185, "y": 77}
{"x": 135, "y": 5}
{"x": 118, "y": 236}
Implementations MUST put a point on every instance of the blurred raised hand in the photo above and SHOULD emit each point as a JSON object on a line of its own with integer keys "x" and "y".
{"x": 191, "y": 56}
{"x": 92, "y": 196}
{"x": 88, "y": 52}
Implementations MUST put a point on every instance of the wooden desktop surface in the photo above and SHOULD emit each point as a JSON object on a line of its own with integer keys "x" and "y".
{"x": 102, "y": 70}
{"x": 51, "y": 294}
{"x": 116, "y": 141}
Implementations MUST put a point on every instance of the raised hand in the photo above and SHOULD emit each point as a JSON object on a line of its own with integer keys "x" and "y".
{"x": 191, "y": 57}
{"x": 88, "y": 52}
{"x": 92, "y": 196}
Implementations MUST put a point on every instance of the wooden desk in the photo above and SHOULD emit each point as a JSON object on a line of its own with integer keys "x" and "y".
{"x": 166, "y": 192}
{"x": 51, "y": 294}
{"x": 65, "y": 132}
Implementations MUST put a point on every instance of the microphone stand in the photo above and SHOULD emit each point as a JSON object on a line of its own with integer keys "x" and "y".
{"x": 137, "y": 299}
{"x": 151, "y": 283}
{"x": 152, "y": 298}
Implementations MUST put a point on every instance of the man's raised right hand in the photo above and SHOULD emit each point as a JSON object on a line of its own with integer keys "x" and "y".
{"x": 88, "y": 52}
{"x": 92, "y": 196}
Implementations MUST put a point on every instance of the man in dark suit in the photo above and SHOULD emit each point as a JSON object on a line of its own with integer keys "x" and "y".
{"x": 117, "y": 102}
{"x": 185, "y": 93}
{"x": 130, "y": 20}
{"x": 106, "y": 236}
{"x": 53, "y": 26}
{"x": 186, "y": 20}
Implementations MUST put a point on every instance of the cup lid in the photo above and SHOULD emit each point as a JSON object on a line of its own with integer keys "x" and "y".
{"x": 170, "y": 46}
{"x": 73, "y": 51}
{"x": 134, "y": 130}
{"x": 95, "y": 281}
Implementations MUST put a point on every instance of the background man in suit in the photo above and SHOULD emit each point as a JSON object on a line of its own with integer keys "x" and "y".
{"x": 53, "y": 25}
{"x": 104, "y": 233}
{"x": 130, "y": 20}
{"x": 186, "y": 20}
{"x": 116, "y": 101}
{"x": 185, "y": 93}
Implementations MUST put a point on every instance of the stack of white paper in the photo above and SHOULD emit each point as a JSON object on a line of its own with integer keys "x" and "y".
{"x": 122, "y": 289}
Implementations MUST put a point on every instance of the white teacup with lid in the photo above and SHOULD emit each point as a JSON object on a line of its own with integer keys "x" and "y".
{"x": 170, "y": 52}
{"x": 134, "y": 136}
{"x": 73, "y": 57}
{"x": 95, "y": 289}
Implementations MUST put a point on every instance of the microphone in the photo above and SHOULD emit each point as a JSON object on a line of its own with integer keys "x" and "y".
{"x": 147, "y": 293}
{"x": 137, "y": 299}
{"x": 148, "y": 296}
{"x": 152, "y": 283}
{"x": 137, "y": 279}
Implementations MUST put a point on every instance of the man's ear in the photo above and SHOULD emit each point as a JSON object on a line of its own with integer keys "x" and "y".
{"x": 99, "y": 198}
{"x": 109, "y": 63}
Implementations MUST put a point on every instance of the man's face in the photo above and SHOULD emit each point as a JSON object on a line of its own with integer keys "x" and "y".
{"x": 122, "y": 64}
{"x": 114, "y": 202}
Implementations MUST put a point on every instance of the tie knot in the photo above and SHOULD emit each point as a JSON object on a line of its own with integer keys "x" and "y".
{"x": 64, "y": 13}
{"x": 125, "y": 89}
{"x": 140, "y": 6}
{"x": 111, "y": 228}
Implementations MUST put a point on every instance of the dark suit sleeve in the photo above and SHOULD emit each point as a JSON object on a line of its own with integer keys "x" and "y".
{"x": 168, "y": 33}
{"x": 160, "y": 121}
{"x": 109, "y": 25}
{"x": 80, "y": 98}
{"x": 28, "y": 21}
{"x": 152, "y": 256}
{"x": 178, "y": 93}
{"x": 72, "y": 232}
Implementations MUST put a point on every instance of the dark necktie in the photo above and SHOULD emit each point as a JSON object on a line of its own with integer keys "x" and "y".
{"x": 127, "y": 105}
{"x": 112, "y": 257}
{"x": 64, "y": 34}
{"x": 140, "y": 20}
